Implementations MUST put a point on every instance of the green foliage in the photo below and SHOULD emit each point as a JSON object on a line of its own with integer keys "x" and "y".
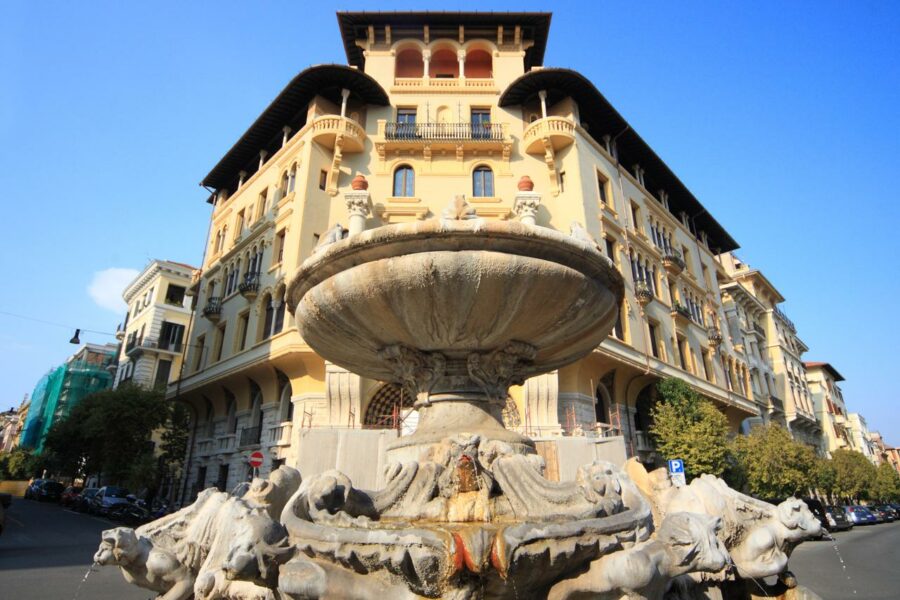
{"x": 886, "y": 485}
{"x": 687, "y": 426}
{"x": 773, "y": 464}
{"x": 825, "y": 477}
{"x": 854, "y": 474}
{"x": 108, "y": 432}
{"x": 19, "y": 464}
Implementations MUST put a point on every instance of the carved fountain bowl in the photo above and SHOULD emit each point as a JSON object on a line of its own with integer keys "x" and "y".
{"x": 455, "y": 287}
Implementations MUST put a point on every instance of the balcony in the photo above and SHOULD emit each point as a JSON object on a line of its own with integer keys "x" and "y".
{"x": 138, "y": 346}
{"x": 682, "y": 312}
{"x": 643, "y": 442}
{"x": 458, "y": 137}
{"x": 120, "y": 332}
{"x": 280, "y": 435}
{"x": 329, "y": 130}
{"x": 442, "y": 84}
{"x": 213, "y": 309}
{"x": 759, "y": 329}
{"x": 226, "y": 444}
{"x": 205, "y": 447}
{"x": 250, "y": 436}
{"x": 672, "y": 261}
{"x": 249, "y": 287}
{"x": 714, "y": 336}
{"x": 555, "y": 132}
{"x": 643, "y": 293}
{"x": 776, "y": 404}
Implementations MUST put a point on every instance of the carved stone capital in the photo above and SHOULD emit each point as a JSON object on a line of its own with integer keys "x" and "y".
{"x": 357, "y": 203}
{"x": 458, "y": 210}
{"x": 417, "y": 371}
{"x": 526, "y": 206}
{"x": 496, "y": 371}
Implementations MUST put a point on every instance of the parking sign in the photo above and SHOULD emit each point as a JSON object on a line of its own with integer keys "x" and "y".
{"x": 676, "y": 465}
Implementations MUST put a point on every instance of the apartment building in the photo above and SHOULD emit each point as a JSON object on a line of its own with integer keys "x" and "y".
{"x": 775, "y": 338}
{"x": 156, "y": 324}
{"x": 828, "y": 402}
{"x": 430, "y": 106}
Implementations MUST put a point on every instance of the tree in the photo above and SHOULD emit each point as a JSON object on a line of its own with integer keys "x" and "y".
{"x": 854, "y": 475}
{"x": 108, "y": 432}
{"x": 774, "y": 466}
{"x": 886, "y": 485}
{"x": 689, "y": 427}
{"x": 19, "y": 464}
{"x": 825, "y": 477}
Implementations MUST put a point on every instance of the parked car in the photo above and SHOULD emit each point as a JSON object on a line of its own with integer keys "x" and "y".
{"x": 49, "y": 491}
{"x": 129, "y": 513}
{"x": 891, "y": 513}
{"x": 837, "y": 518}
{"x": 818, "y": 509}
{"x": 82, "y": 502}
{"x": 860, "y": 515}
{"x": 879, "y": 515}
{"x": 31, "y": 490}
{"x": 107, "y": 497}
{"x": 69, "y": 495}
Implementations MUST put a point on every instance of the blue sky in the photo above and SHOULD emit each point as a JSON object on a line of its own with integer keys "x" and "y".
{"x": 782, "y": 118}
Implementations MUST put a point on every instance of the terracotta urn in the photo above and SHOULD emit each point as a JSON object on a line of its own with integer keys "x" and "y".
{"x": 526, "y": 184}
{"x": 359, "y": 183}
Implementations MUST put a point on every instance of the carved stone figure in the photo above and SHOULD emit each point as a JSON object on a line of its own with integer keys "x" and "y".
{"x": 145, "y": 566}
{"x": 686, "y": 542}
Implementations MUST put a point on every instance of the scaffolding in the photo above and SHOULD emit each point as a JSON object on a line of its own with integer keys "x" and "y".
{"x": 58, "y": 392}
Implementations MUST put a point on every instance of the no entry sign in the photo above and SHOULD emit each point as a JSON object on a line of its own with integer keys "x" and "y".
{"x": 256, "y": 459}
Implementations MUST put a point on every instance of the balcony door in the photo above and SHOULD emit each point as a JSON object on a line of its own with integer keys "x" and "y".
{"x": 171, "y": 336}
{"x": 406, "y": 123}
{"x": 481, "y": 123}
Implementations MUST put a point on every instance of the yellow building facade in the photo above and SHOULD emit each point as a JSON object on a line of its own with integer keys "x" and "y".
{"x": 155, "y": 328}
{"x": 432, "y": 106}
{"x": 831, "y": 410}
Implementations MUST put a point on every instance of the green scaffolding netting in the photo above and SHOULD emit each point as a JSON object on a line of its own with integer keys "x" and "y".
{"x": 57, "y": 393}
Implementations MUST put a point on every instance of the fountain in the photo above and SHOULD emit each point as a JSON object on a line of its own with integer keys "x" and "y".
{"x": 457, "y": 309}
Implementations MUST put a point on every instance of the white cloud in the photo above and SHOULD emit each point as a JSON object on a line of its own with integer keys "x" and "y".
{"x": 107, "y": 286}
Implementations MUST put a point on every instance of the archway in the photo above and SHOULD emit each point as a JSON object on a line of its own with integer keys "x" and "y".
{"x": 385, "y": 409}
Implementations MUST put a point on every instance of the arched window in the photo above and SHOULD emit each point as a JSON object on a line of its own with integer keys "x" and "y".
{"x": 279, "y": 313}
{"x": 292, "y": 178}
{"x": 268, "y": 317}
{"x": 231, "y": 413}
{"x": 443, "y": 64}
{"x": 210, "y": 418}
{"x": 404, "y": 182}
{"x": 600, "y": 412}
{"x": 285, "y": 406}
{"x": 479, "y": 64}
{"x": 256, "y": 399}
{"x": 285, "y": 182}
{"x": 409, "y": 63}
{"x": 483, "y": 182}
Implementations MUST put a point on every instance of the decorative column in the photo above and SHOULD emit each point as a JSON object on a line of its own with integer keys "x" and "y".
{"x": 543, "y": 96}
{"x": 342, "y": 395}
{"x": 262, "y": 158}
{"x": 241, "y": 176}
{"x": 345, "y": 93}
{"x": 357, "y": 204}
{"x": 285, "y": 132}
{"x": 461, "y": 57}
{"x": 527, "y": 201}
{"x": 426, "y": 62}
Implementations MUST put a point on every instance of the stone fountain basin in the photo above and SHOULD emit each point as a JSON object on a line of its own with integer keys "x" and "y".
{"x": 455, "y": 287}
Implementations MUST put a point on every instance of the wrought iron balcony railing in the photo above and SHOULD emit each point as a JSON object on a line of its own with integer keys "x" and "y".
{"x": 250, "y": 435}
{"x": 250, "y": 285}
{"x": 213, "y": 308}
{"x": 672, "y": 260}
{"x": 643, "y": 292}
{"x": 430, "y": 132}
{"x": 679, "y": 309}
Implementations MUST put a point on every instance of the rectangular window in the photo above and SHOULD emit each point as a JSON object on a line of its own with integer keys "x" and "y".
{"x": 618, "y": 329}
{"x": 562, "y": 181}
{"x": 278, "y": 254}
{"x": 243, "y": 325}
{"x": 175, "y": 295}
{"x": 406, "y": 123}
{"x": 686, "y": 257}
{"x": 610, "y": 249}
{"x": 602, "y": 182}
{"x": 635, "y": 217}
{"x": 261, "y": 204}
{"x": 323, "y": 179}
{"x": 654, "y": 340}
{"x": 481, "y": 123}
{"x": 220, "y": 342}
{"x": 683, "y": 353}
{"x": 239, "y": 225}
{"x": 171, "y": 336}
{"x": 198, "y": 357}
{"x": 163, "y": 369}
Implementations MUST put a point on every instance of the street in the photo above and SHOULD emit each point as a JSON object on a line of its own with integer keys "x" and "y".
{"x": 870, "y": 554}
{"x": 46, "y": 550}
